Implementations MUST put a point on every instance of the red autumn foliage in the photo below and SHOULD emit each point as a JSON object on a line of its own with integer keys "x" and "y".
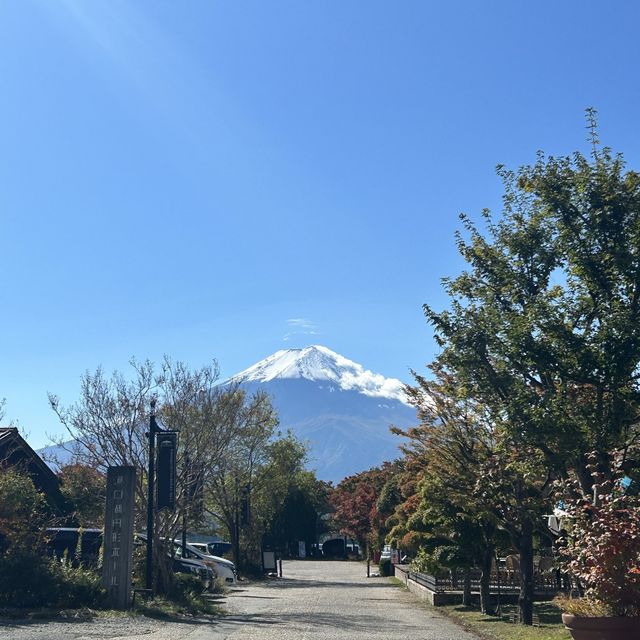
{"x": 354, "y": 501}
{"x": 603, "y": 545}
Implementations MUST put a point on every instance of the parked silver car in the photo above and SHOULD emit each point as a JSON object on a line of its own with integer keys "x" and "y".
{"x": 224, "y": 570}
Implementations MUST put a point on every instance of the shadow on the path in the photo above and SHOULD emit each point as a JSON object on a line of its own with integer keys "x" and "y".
{"x": 301, "y": 583}
{"x": 300, "y": 620}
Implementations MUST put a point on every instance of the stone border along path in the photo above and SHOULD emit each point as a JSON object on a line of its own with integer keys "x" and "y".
{"x": 316, "y": 600}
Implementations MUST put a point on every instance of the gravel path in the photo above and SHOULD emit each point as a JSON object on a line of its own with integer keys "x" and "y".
{"x": 129, "y": 627}
{"x": 314, "y": 601}
{"x": 334, "y": 600}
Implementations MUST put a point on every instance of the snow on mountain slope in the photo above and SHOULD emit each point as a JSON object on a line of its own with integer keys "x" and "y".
{"x": 340, "y": 409}
{"x": 320, "y": 364}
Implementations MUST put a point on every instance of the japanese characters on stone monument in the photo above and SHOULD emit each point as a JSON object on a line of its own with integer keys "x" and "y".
{"x": 117, "y": 559}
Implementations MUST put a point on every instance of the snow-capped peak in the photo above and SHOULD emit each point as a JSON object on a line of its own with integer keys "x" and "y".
{"x": 319, "y": 364}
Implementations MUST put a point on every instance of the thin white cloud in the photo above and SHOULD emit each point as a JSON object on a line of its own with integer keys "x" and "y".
{"x": 302, "y": 323}
{"x": 300, "y": 327}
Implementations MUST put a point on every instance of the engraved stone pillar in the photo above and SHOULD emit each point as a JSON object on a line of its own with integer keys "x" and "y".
{"x": 117, "y": 558}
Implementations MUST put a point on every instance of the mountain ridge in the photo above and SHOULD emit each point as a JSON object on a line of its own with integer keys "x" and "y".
{"x": 318, "y": 363}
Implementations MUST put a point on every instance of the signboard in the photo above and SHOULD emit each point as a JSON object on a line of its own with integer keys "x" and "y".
{"x": 166, "y": 475}
{"x": 269, "y": 561}
{"x": 118, "y": 535}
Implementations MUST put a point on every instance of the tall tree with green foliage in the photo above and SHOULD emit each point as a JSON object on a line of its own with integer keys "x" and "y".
{"x": 543, "y": 327}
{"x": 291, "y": 498}
{"x": 448, "y": 452}
{"x": 230, "y": 489}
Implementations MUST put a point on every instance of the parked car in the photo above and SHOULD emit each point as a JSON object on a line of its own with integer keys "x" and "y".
{"x": 192, "y": 565}
{"x": 334, "y": 548}
{"x": 217, "y": 548}
{"x": 195, "y": 567}
{"x": 62, "y": 542}
{"x": 224, "y": 569}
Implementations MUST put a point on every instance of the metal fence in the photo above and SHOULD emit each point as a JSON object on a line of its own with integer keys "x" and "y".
{"x": 503, "y": 581}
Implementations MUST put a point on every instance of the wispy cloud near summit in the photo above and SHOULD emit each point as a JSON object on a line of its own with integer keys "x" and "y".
{"x": 300, "y": 327}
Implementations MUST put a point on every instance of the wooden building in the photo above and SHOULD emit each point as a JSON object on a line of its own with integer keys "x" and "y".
{"x": 15, "y": 452}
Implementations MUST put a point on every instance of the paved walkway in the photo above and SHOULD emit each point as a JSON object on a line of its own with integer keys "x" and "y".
{"x": 316, "y": 600}
{"x": 326, "y": 600}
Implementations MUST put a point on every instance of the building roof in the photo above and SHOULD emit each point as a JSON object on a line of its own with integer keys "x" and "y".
{"x": 16, "y": 452}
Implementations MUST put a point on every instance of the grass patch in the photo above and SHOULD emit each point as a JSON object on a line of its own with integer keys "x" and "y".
{"x": 81, "y": 614}
{"x": 164, "y": 609}
{"x": 501, "y": 628}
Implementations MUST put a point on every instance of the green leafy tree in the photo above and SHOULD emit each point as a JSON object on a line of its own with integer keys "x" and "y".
{"x": 23, "y": 513}
{"x": 294, "y": 498}
{"x": 515, "y": 486}
{"x": 233, "y": 480}
{"x": 543, "y": 328}
{"x": 84, "y": 488}
{"x": 448, "y": 452}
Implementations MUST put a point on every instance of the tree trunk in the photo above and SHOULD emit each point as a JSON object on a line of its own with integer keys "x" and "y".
{"x": 525, "y": 599}
{"x": 584, "y": 477}
{"x": 486, "y": 606}
{"x": 466, "y": 589}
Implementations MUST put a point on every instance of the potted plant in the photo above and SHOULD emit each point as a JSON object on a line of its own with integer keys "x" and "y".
{"x": 602, "y": 548}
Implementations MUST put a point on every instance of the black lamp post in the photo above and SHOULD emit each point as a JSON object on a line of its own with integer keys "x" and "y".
{"x": 153, "y": 429}
{"x": 187, "y": 500}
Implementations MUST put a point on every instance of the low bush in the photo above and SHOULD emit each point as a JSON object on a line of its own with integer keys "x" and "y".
{"x": 185, "y": 598}
{"x": 78, "y": 586}
{"x": 385, "y": 567}
{"x": 31, "y": 580}
{"x": 185, "y": 589}
{"x": 26, "y": 580}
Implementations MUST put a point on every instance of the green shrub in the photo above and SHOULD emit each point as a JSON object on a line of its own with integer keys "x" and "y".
{"x": 428, "y": 562}
{"x": 77, "y": 586}
{"x": 31, "y": 580}
{"x": 184, "y": 598}
{"x": 185, "y": 588}
{"x": 26, "y": 580}
{"x": 385, "y": 567}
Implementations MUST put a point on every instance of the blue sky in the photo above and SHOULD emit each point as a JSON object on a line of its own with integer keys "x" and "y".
{"x": 189, "y": 177}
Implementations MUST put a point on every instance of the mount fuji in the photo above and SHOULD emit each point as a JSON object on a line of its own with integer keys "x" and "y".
{"x": 341, "y": 410}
